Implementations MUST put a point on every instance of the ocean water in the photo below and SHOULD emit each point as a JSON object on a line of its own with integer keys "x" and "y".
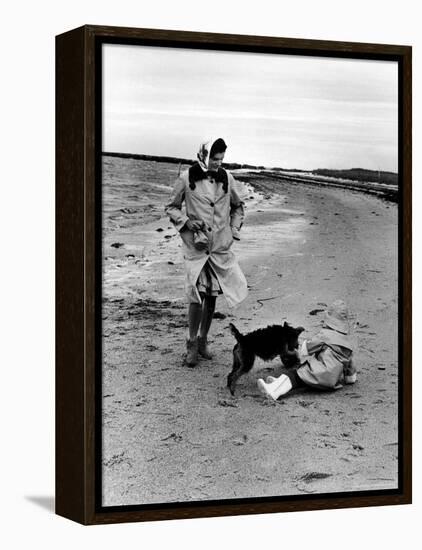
{"x": 133, "y": 190}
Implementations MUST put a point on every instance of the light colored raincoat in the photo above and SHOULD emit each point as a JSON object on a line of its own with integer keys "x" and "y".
{"x": 223, "y": 215}
{"x": 329, "y": 357}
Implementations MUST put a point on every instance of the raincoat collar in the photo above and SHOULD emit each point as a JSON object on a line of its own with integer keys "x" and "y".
{"x": 197, "y": 173}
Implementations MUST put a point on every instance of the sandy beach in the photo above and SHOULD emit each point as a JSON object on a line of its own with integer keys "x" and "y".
{"x": 171, "y": 433}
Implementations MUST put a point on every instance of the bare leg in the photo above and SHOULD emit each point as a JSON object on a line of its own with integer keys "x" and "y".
{"x": 194, "y": 316}
{"x": 207, "y": 315}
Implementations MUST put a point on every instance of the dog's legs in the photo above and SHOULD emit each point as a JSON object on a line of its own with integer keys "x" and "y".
{"x": 231, "y": 380}
{"x": 241, "y": 364}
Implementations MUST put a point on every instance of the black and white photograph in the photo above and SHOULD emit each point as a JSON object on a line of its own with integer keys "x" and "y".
{"x": 250, "y": 275}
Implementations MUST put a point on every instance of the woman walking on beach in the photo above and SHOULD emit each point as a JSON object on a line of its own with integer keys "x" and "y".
{"x": 213, "y": 218}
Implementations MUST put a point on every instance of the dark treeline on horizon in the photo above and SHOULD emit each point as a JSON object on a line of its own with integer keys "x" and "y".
{"x": 358, "y": 174}
{"x": 175, "y": 160}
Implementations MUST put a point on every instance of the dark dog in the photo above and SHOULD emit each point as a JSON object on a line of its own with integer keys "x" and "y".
{"x": 266, "y": 343}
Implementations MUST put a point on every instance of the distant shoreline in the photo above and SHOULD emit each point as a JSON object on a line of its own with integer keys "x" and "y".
{"x": 351, "y": 174}
{"x": 175, "y": 160}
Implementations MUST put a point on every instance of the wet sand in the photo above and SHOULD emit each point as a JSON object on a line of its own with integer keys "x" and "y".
{"x": 171, "y": 433}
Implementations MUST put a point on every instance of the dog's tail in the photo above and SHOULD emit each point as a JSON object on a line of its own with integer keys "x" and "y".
{"x": 235, "y": 332}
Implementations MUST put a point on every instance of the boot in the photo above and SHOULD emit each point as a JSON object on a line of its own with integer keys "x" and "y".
{"x": 203, "y": 347}
{"x": 276, "y": 389}
{"x": 349, "y": 371}
{"x": 191, "y": 352}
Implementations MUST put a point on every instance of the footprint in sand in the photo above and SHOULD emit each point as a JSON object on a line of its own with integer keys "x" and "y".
{"x": 314, "y": 476}
{"x": 327, "y": 444}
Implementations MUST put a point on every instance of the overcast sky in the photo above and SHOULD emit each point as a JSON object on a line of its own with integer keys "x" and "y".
{"x": 274, "y": 110}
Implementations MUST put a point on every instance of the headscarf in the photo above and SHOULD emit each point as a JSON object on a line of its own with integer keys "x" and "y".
{"x": 204, "y": 153}
{"x": 200, "y": 168}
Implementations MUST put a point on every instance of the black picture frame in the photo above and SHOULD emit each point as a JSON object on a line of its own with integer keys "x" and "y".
{"x": 78, "y": 270}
